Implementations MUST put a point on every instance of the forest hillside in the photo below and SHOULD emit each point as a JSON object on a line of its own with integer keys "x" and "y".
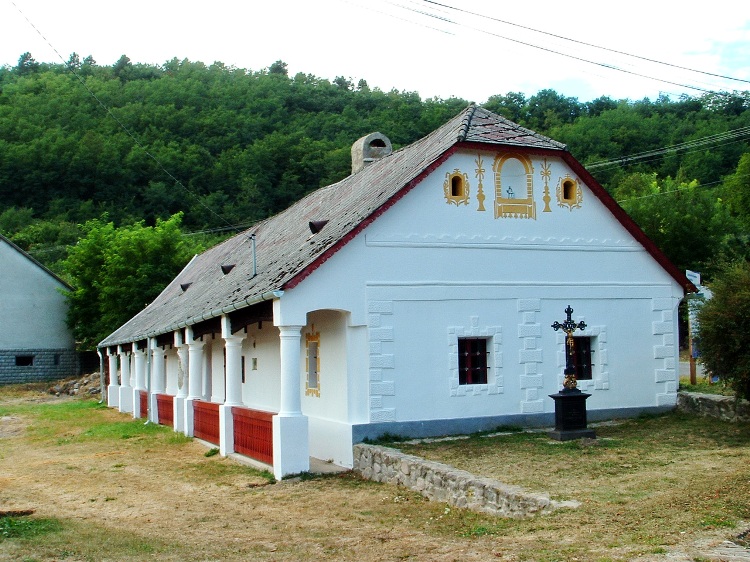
{"x": 188, "y": 148}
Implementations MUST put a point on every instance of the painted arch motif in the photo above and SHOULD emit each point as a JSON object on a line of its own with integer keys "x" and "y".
{"x": 514, "y": 186}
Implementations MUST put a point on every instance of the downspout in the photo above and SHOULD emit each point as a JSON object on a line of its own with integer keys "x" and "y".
{"x": 148, "y": 381}
{"x": 101, "y": 375}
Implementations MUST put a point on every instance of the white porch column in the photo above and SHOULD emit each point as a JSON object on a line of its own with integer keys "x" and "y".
{"x": 233, "y": 385}
{"x": 158, "y": 369}
{"x": 126, "y": 391}
{"x": 182, "y": 382}
{"x": 195, "y": 367}
{"x": 139, "y": 361}
{"x": 113, "y": 390}
{"x": 290, "y": 441}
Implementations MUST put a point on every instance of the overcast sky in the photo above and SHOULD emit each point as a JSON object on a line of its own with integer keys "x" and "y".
{"x": 411, "y": 45}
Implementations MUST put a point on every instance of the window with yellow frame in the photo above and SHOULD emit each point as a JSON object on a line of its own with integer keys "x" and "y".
{"x": 456, "y": 188}
{"x": 312, "y": 364}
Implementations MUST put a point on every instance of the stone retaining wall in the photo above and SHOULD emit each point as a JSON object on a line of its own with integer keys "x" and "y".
{"x": 722, "y": 407}
{"x": 441, "y": 482}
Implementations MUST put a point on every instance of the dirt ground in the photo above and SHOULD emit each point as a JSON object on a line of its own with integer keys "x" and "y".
{"x": 130, "y": 502}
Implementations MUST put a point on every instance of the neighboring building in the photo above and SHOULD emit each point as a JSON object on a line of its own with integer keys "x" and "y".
{"x": 35, "y": 342}
{"x": 414, "y": 297}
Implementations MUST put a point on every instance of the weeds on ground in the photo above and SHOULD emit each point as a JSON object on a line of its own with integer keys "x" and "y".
{"x": 704, "y": 386}
{"x": 26, "y": 527}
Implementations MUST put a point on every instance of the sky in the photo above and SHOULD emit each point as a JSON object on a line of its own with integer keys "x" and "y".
{"x": 469, "y": 49}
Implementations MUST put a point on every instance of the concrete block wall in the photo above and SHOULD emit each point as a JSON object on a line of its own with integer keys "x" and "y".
{"x": 47, "y": 364}
{"x": 441, "y": 482}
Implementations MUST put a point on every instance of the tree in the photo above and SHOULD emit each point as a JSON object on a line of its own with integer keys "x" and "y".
{"x": 116, "y": 272}
{"x": 724, "y": 329}
{"x": 26, "y": 64}
{"x": 737, "y": 190}
{"x": 279, "y": 67}
{"x": 687, "y": 221}
{"x": 122, "y": 67}
{"x": 74, "y": 62}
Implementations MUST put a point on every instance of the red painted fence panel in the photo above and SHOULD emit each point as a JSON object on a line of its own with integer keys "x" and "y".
{"x": 143, "y": 398}
{"x": 253, "y": 434}
{"x": 206, "y": 421}
{"x": 165, "y": 409}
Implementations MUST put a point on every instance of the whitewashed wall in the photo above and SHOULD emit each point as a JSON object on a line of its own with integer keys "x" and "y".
{"x": 428, "y": 270}
{"x": 261, "y": 389}
{"x": 31, "y": 306}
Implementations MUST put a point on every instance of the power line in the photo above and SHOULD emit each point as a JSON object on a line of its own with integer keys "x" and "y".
{"x": 556, "y": 36}
{"x": 550, "y": 50}
{"x": 718, "y": 139}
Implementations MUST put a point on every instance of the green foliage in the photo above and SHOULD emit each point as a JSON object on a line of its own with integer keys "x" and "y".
{"x": 737, "y": 190}
{"x": 724, "y": 329}
{"x": 118, "y": 271}
{"x": 223, "y": 145}
{"x": 686, "y": 221}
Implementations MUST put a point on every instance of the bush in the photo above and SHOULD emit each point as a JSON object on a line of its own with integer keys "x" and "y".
{"x": 724, "y": 329}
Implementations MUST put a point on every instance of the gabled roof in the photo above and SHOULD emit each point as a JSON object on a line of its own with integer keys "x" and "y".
{"x": 36, "y": 263}
{"x": 285, "y": 252}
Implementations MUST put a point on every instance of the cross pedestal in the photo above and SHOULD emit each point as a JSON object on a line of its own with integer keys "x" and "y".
{"x": 570, "y": 416}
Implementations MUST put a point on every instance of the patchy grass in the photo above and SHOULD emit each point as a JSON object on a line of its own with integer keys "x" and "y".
{"x": 117, "y": 489}
{"x": 653, "y": 479}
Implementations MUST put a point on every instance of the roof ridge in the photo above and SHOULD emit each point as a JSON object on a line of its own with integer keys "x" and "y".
{"x": 463, "y": 130}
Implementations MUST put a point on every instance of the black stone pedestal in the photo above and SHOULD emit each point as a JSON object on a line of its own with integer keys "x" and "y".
{"x": 570, "y": 416}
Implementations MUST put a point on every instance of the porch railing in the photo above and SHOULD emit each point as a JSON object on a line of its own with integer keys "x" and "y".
{"x": 143, "y": 400}
{"x": 253, "y": 434}
{"x": 165, "y": 409}
{"x": 206, "y": 421}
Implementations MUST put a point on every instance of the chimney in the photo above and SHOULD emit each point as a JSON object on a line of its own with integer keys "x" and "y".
{"x": 368, "y": 149}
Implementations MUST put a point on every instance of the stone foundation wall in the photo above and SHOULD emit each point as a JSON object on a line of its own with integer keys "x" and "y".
{"x": 441, "y": 482}
{"x": 46, "y": 364}
{"x": 722, "y": 407}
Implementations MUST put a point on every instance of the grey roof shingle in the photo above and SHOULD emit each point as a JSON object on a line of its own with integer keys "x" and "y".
{"x": 286, "y": 251}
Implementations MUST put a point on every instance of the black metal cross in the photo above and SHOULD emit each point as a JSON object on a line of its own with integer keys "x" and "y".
{"x": 569, "y": 326}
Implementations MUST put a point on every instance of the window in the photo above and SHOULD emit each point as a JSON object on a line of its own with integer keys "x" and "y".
{"x": 582, "y": 358}
{"x": 472, "y": 361}
{"x": 24, "y": 360}
{"x": 568, "y": 190}
{"x": 243, "y": 368}
{"x": 456, "y": 188}
{"x": 312, "y": 364}
{"x": 569, "y": 193}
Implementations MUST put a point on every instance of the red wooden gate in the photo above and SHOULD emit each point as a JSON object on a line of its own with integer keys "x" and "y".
{"x": 206, "y": 421}
{"x": 253, "y": 434}
{"x": 165, "y": 409}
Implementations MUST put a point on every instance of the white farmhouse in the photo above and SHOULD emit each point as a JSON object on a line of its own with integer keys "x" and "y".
{"x": 415, "y": 297}
{"x": 35, "y": 342}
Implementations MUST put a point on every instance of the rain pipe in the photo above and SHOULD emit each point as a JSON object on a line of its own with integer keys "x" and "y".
{"x": 101, "y": 375}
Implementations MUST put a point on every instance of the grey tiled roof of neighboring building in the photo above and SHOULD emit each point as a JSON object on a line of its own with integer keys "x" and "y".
{"x": 286, "y": 251}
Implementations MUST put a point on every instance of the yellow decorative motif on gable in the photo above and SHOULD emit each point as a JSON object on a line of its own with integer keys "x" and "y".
{"x": 569, "y": 193}
{"x": 514, "y": 186}
{"x": 312, "y": 363}
{"x": 456, "y": 188}
{"x": 479, "y": 172}
{"x": 546, "y": 174}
